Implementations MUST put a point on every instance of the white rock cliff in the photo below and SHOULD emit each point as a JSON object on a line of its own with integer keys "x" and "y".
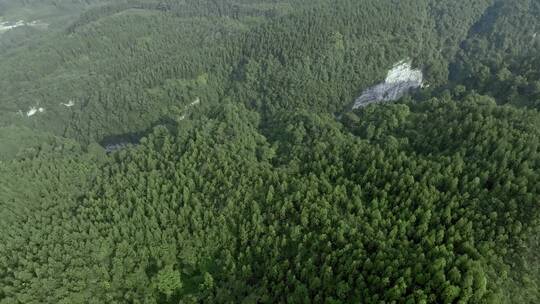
{"x": 400, "y": 79}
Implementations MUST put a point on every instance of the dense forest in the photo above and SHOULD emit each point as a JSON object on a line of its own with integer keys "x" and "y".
{"x": 204, "y": 151}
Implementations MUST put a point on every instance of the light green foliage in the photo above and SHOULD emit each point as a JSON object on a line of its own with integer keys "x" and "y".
{"x": 249, "y": 179}
{"x": 168, "y": 281}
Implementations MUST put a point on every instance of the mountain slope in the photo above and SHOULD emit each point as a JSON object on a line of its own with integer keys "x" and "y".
{"x": 235, "y": 170}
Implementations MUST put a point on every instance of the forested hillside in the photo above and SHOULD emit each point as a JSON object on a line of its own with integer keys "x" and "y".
{"x": 207, "y": 152}
{"x": 125, "y": 69}
{"x": 502, "y": 54}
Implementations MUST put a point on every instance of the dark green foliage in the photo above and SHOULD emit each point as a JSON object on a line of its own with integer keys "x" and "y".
{"x": 229, "y": 217}
{"x": 501, "y": 56}
{"x": 248, "y": 178}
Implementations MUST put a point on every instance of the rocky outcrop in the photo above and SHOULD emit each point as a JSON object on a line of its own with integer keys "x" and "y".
{"x": 34, "y": 110}
{"x": 400, "y": 80}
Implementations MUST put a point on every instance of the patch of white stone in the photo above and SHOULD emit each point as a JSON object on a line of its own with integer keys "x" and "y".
{"x": 33, "y": 111}
{"x": 195, "y": 102}
{"x": 70, "y": 104}
{"x": 8, "y": 25}
{"x": 400, "y": 80}
{"x": 192, "y": 104}
{"x": 5, "y": 26}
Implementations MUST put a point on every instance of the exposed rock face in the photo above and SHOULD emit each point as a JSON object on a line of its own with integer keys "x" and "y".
{"x": 195, "y": 102}
{"x": 8, "y": 25}
{"x": 70, "y": 104}
{"x": 400, "y": 79}
{"x": 5, "y": 26}
{"x": 34, "y": 110}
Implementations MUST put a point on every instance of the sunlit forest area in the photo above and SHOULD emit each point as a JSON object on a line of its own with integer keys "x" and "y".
{"x": 204, "y": 151}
